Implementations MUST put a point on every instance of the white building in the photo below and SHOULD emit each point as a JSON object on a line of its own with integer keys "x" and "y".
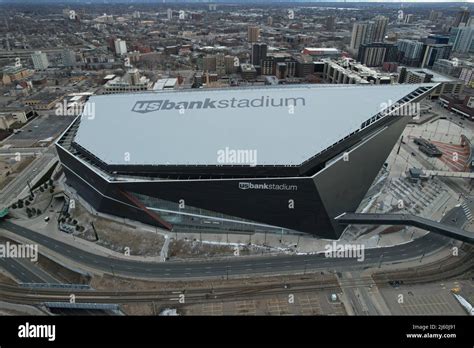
{"x": 120, "y": 47}
{"x": 40, "y": 60}
{"x": 132, "y": 81}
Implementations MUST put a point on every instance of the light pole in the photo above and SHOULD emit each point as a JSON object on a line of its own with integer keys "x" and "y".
{"x": 421, "y": 259}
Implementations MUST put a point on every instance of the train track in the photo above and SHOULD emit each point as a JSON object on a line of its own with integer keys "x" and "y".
{"x": 35, "y": 296}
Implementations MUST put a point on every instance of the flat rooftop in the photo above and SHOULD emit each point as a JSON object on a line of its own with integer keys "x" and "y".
{"x": 280, "y": 125}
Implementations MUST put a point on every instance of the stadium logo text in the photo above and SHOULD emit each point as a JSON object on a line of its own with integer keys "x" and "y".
{"x": 281, "y": 187}
{"x": 146, "y": 106}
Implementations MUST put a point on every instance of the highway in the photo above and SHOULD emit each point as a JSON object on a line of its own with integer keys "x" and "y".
{"x": 12, "y": 191}
{"x": 19, "y": 271}
{"x": 209, "y": 292}
{"x": 224, "y": 268}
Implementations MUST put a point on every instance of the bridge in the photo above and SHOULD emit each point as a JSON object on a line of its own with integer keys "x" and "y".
{"x": 448, "y": 174}
{"x": 407, "y": 220}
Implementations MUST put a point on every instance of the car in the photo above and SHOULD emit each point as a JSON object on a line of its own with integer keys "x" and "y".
{"x": 413, "y": 154}
{"x": 46, "y": 218}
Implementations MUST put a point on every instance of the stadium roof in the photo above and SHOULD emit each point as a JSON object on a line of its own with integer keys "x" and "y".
{"x": 284, "y": 125}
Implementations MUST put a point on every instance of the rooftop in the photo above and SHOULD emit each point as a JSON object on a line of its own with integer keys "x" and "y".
{"x": 280, "y": 125}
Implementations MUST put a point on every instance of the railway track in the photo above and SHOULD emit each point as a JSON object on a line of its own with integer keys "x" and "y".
{"x": 198, "y": 295}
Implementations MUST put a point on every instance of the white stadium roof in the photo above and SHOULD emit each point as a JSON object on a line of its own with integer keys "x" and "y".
{"x": 284, "y": 125}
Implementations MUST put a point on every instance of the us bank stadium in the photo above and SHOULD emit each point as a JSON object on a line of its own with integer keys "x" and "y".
{"x": 283, "y": 159}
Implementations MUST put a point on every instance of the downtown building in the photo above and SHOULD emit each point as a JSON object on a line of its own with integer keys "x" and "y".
{"x": 269, "y": 159}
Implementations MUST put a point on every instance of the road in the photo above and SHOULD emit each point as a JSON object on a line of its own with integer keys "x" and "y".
{"x": 223, "y": 268}
{"x": 25, "y": 271}
{"x": 359, "y": 296}
{"x": 12, "y": 151}
{"x": 12, "y": 191}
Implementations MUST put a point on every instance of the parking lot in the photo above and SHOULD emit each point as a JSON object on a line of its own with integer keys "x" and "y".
{"x": 429, "y": 299}
{"x": 310, "y": 303}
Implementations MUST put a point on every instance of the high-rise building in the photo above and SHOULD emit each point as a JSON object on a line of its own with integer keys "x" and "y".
{"x": 68, "y": 58}
{"x": 253, "y": 33}
{"x": 209, "y": 63}
{"x": 270, "y": 21}
{"x": 462, "y": 39}
{"x": 362, "y": 32}
{"x": 470, "y": 22}
{"x": 40, "y": 60}
{"x": 120, "y": 47}
{"x": 330, "y": 23}
{"x": 377, "y": 53}
{"x": 433, "y": 52}
{"x": 410, "y": 52}
{"x": 408, "y": 18}
{"x": 434, "y": 15}
{"x": 169, "y": 14}
{"x": 231, "y": 64}
{"x": 259, "y": 52}
{"x": 461, "y": 17}
{"x": 220, "y": 64}
{"x": 380, "y": 28}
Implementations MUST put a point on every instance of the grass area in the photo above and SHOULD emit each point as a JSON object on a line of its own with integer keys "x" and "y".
{"x": 118, "y": 236}
{"x": 12, "y": 169}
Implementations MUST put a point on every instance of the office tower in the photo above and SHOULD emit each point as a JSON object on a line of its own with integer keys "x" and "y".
{"x": 270, "y": 21}
{"x": 259, "y": 52}
{"x": 462, "y": 39}
{"x": 169, "y": 14}
{"x": 433, "y": 52}
{"x": 40, "y": 60}
{"x": 462, "y": 17}
{"x": 253, "y": 34}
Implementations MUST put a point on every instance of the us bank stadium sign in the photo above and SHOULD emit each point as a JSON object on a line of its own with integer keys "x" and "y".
{"x": 264, "y": 186}
{"x": 146, "y": 106}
